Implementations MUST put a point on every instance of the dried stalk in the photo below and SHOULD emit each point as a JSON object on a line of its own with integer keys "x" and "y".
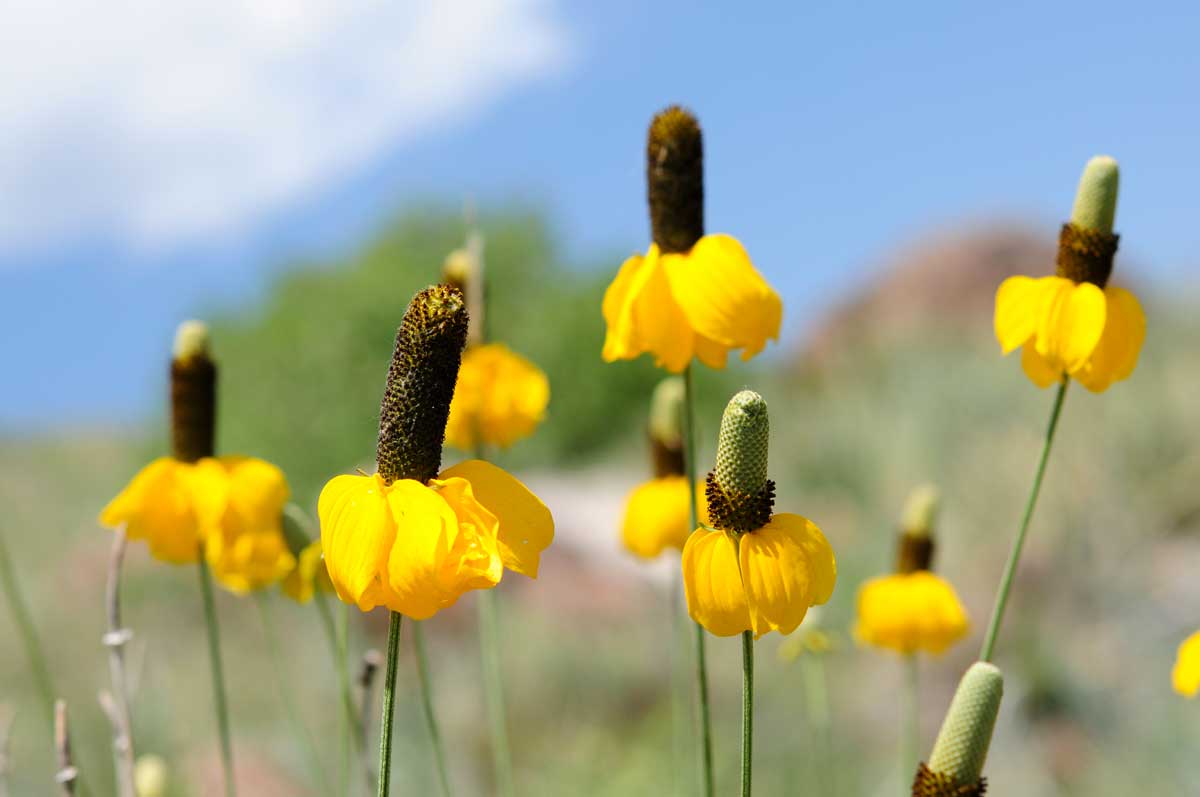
{"x": 116, "y": 704}
{"x": 67, "y": 773}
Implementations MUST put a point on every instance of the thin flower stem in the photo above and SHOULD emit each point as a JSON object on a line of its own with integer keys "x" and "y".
{"x": 706, "y": 753}
{"x": 337, "y": 649}
{"x": 371, "y": 662}
{"x": 115, "y": 640}
{"x": 435, "y": 736}
{"x": 910, "y": 735}
{"x": 747, "y": 710}
{"x": 816, "y": 704}
{"x": 286, "y": 695}
{"x": 389, "y": 706}
{"x": 218, "y": 675}
{"x": 29, "y": 638}
{"x": 1010, "y": 568}
{"x": 494, "y": 689}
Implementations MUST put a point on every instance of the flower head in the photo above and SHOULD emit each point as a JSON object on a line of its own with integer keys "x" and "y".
{"x": 500, "y": 398}
{"x": 308, "y": 576}
{"x": 227, "y": 507}
{"x": 955, "y": 767}
{"x": 691, "y": 295}
{"x": 1074, "y": 324}
{"x": 755, "y": 571}
{"x": 1185, "y": 676}
{"x": 408, "y": 537}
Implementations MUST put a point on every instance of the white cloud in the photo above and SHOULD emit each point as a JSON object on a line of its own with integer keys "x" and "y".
{"x": 157, "y": 122}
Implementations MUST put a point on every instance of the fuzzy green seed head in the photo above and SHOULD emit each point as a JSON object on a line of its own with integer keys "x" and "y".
{"x": 1096, "y": 200}
{"x": 666, "y": 412}
{"x": 742, "y": 444}
{"x": 962, "y": 743}
{"x": 920, "y": 511}
{"x": 191, "y": 340}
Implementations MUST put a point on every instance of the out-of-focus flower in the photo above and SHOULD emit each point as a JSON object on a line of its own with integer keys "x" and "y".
{"x": 810, "y": 638}
{"x": 308, "y": 576}
{"x": 910, "y": 612}
{"x": 657, "y": 515}
{"x": 150, "y": 776}
{"x": 500, "y": 398}
{"x": 1185, "y": 676}
{"x": 1074, "y": 324}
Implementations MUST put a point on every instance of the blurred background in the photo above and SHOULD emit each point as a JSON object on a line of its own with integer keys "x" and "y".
{"x": 293, "y": 171}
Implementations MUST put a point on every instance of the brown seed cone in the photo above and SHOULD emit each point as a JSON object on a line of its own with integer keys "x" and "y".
{"x": 914, "y": 552}
{"x": 675, "y": 179}
{"x": 734, "y": 511}
{"x": 420, "y": 384}
{"x": 1086, "y": 255}
{"x": 193, "y": 407}
{"x": 928, "y": 783}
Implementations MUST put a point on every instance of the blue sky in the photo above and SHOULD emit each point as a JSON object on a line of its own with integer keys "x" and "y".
{"x": 158, "y": 165}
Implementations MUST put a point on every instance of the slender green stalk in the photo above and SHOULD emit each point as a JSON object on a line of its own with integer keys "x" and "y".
{"x": 747, "y": 710}
{"x": 1010, "y": 568}
{"x": 218, "y": 675}
{"x": 816, "y": 704}
{"x": 286, "y": 695}
{"x": 435, "y": 736}
{"x": 706, "y": 753}
{"x": 337, "y": 649}
{"x": 389, "y": 706}
{"x": 494, "y": 689}
{"x": 910, "y": 733}
{"x": 29, "y": 638}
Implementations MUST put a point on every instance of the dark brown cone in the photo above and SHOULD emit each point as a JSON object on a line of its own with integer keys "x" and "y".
{"x": 420, "y": 385}
{"x": 928, "y": 783}
{"x": 193, "y": 408}
{"x": 733, "y": 511}
{"x": 675, "y": 179}
{"x": 1086, "y": 255}
{"x": 668, "y": 460}
{"x": 914, "y": 552}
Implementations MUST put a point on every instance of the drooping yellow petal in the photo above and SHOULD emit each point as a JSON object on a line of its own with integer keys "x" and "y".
{"x": 426, "y": 533}
{"x": 787, "y": 566}
{"x": 620, "y": 340}
{"x": 1071, "y": 323}
{"x": 357, "y": 532}
{"x": 1117, "y": 353}
{"x": 1017, "y": 306}
{"x": 712, "y": 583}
{"x": 723, "y": 296}
{"x": 257, "y": 494}
{"x": 248, "y": 561}
{"x": 910, "y": 612}
{"x": 657, "y": 516}
{"x": 1185, "y": 676}
{"x": 474, "y": 561}
{"x": 1039, "y": 371}
{"x": 208, "y": 485}
{"x": 526, "y": 525}
{"x": 499, "y": 398}
{"x": 157, "y": 507}
{"x": 661, "y": 324}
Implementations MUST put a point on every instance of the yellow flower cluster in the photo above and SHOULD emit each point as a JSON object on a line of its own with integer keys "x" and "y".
{"x": 500, "y": 398}
{"x": 910, "y": 612}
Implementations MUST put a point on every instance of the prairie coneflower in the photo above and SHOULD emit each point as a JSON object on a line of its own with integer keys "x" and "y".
{"x": 408, "y": 537}
{"x": 500, "y": 398}
{"x": 955, "y": 767}
{"x": 1075, "y": 324}
{"x": 1185, "y": 676}
{"x": 752, "y": 572}
{"x": 691, "y": 295}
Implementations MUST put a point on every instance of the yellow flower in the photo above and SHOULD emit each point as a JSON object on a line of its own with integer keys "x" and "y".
{"x": 760, "y": 581}
{"x": 1067, "y": 328}
{"x": 657, "y": 516}
{"x": 700, "y": 303}
{"x": 416, "y": 548}
{"x": 910, "y": 612}
{"x": 1185, "y": 676}
{"x": 232, "y": 506}
{"x": 500, "y": 397}
{"x": 308, "y": 575}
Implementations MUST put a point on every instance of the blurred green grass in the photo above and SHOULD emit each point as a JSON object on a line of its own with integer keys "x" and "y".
{"x": 1106, "y": 591}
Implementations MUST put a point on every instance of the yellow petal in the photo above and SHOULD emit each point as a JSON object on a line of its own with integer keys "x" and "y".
{"x": 357, "y": 532}
{"x": 620, "y": 340}
{"x": 662, "y": 328}
{"x": 308, "y": 575}
{"x": 1071, "y": 323}
{"x": 157, "y": 507}
{"x": 657, "y": 516}
{"x": 426, "y": 533}
{"x": 474, "y": 561}
{"x": 712, "y": 583}
{"x": 499, "y": 398}
{"x": 257, "y": 493}
{"x": 1185, "y": 676}
{"x": 723, "y": 296}
{"x": 1117, "y": 353}
{"x": 526, "y": 526}
{"x": 787, "y": 566}
{"x": 1039, "y": 371}
{"x": 910, "y": 612}
{"x": 1017, "y": 305}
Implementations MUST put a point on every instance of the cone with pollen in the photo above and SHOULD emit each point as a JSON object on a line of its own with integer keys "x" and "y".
{"x": 956, "y": 766}
{"x": 692, "y": 295}
{"x": 1074, "y": 324}
{"x": 407, "y": 537}
{"x": 752, "y": 570}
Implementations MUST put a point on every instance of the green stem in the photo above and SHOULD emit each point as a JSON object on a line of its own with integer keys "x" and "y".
{"x": 337, "y": 648}
{"x": 29, "y": 638}
{"x": 389, "y": 705}
{"x": 287, "y": 696}
{"x": 435, "y": 737}
{"x": 494, "y": 690}
{"x": 218, "y": 675}
{"x": 816, "y": 703}
{"x": 910, "y": 745}
{"x": 1010, "y": 568}
{"x": 747, "y": 710}
{"x": 706, "y": 754}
